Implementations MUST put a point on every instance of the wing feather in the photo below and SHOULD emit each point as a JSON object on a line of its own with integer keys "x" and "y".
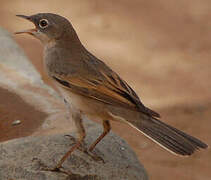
{"x": 109, "y": 88}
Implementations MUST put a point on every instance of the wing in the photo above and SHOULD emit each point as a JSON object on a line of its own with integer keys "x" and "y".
{"x": 104, "y": 85}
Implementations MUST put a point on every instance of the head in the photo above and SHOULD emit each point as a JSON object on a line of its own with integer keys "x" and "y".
{"x": 48, "y": 27}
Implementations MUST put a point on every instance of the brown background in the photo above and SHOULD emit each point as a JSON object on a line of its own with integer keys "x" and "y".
{"x": 162, "y": 48}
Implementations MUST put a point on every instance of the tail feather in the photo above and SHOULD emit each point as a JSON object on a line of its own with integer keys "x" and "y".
{"x": 194, "y": 140}
{"x": 169, "y": 137}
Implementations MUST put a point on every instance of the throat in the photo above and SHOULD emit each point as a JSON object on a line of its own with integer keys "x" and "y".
{"x": 50, "y": 44}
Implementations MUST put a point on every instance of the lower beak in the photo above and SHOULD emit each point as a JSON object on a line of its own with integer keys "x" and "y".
{"x": 28, "y": 31}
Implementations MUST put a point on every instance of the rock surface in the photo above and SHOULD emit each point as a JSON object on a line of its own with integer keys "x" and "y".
{"x": 22, "y": 159}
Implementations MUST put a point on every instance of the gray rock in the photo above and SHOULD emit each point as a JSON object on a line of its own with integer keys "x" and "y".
{"x": 24, "y": 158}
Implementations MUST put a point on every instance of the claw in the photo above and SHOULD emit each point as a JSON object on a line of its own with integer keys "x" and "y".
{"x": 94, "y": 156}
{"x": 56, "y": 169}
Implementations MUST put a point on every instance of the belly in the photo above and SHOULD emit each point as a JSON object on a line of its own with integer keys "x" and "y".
{"x": 88, "y": 106}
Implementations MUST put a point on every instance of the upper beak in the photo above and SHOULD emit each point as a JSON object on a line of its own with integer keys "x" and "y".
{"x": 28, "y": 31}
{"x": 24, "y": 17}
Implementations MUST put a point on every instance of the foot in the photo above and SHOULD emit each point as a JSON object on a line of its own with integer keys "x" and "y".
{"x": 83, "y": 148}
{"x": 94, "y": 156}
{"x": 44, "y": 167}
{"x": 59, "y": 170}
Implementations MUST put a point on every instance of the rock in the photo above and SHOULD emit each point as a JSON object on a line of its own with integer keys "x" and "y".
{"x": 21, "y": 159}
{"x": 16, "y": 122}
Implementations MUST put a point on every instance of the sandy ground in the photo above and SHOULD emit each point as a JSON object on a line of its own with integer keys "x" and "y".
{"x": 162, "y": 48}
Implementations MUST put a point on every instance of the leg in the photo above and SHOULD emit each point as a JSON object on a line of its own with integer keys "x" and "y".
{"x": 107, "y": 128}
{"x": 78, "y": 122}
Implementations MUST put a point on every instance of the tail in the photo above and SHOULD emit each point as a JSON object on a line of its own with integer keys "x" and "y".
{"x": 169, "y": 137}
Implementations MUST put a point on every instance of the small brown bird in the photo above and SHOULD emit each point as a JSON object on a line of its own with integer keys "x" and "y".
{"x": 91, "y": 88}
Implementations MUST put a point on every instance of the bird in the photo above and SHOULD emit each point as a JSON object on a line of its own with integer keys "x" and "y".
{"x": 91, "y": 88}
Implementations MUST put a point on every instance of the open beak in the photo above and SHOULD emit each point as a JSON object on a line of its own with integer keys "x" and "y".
{"x": 28, "y": 31}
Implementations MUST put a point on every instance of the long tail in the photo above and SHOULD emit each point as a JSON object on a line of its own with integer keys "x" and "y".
{"x": 169, "y": 137}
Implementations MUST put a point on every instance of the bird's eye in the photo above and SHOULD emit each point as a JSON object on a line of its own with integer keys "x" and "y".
{"x": 43, "y": 23}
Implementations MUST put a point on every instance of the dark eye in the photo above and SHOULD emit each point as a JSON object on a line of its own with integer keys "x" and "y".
{"x": 43, "y": 23}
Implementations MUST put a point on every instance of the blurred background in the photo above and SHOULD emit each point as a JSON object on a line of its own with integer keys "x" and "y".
{"x": 161, "y": 48}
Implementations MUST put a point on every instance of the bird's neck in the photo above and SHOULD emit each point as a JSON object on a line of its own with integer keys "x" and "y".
{"x": 69, "y": 41}
{"x": 67, "y": 46}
